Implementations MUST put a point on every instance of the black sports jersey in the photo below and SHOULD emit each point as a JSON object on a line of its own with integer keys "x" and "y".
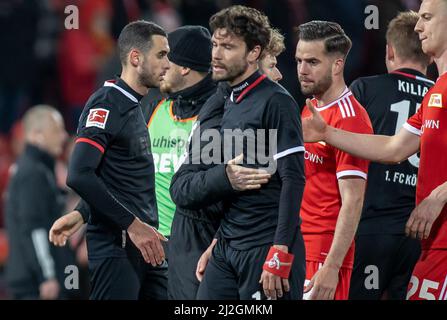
{"x": 390, "y": 99}
{"x": 112, "y": 169}
{"x": 256, "y": 217}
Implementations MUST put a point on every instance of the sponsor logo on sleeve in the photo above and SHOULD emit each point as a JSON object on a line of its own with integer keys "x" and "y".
{"x": 97, "y": 118}
{"x": 435, "y": 100}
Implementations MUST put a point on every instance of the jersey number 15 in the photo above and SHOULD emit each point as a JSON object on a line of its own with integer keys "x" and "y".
{"x": 403, "y": 113}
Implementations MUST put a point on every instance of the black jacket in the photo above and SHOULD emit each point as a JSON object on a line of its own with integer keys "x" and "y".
{"x": 197, "y": 189}
{"x": 33, "y": 203}
{"x": 187, "y": 102}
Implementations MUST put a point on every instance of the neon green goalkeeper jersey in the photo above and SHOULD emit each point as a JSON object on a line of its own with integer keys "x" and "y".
{"x": 169, "y": 138}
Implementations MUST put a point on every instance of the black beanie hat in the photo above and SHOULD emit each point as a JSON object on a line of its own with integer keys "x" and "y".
{"x": 191, "y": 47}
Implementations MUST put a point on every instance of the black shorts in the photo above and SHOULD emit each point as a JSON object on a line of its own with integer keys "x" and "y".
{"x": 189, "y": 239}
{"x": 127, "y": 279}
{"x": 234, "y": 274}
{"x": 383, "y": 265}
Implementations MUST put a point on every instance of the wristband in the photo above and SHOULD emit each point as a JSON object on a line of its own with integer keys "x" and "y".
{"x": 278, "y": 262}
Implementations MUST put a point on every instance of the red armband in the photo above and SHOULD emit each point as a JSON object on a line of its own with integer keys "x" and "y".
{"x": 278, "y": 262}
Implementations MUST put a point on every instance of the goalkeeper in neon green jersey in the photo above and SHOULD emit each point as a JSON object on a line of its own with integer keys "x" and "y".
{"x": 186, "y": 86}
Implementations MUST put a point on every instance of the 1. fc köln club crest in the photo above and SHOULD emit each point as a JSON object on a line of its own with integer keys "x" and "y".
{"x": 97, "y": 118}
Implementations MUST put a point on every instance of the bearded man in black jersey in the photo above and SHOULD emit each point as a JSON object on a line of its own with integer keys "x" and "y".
{"x": 258, "y": 225}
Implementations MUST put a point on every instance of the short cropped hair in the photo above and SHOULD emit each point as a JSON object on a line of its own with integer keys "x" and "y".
{"x": 37, "y": 117}
{"x": 137, "y": 35}
{"x": 405, "y": 41}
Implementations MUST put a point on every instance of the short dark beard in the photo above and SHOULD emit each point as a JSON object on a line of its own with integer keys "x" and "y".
{"x": 233, "y": 72}
{"x": 146, "y": 80}
{"x": 318, "y": 88}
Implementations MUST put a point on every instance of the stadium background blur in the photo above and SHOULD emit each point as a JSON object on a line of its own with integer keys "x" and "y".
{"x": 41, "y": 62}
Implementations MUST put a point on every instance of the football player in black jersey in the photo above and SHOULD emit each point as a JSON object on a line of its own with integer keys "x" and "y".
{"x": 259, "y": 250}
{"x": 384, "y": 256}
{"x": 112, "y": 169}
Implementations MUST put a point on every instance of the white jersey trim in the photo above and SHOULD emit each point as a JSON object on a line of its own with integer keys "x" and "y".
{"x": 346, "y": 107}
{"x": 358, "y": 173}
{"x": 346, "y": 93}
{"x": 412, "y": 129}
{"x": 288, "y": 151}
{"x": 425, "y": 80}
{"x": 127, "y": 94}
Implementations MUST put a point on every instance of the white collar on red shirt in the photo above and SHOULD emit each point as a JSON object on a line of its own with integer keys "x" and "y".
{"x": 346, "y": 93}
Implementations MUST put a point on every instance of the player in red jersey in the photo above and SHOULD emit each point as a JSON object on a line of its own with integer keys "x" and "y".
{"x": 426, "y": 132}
{"x": 335, "y": 180}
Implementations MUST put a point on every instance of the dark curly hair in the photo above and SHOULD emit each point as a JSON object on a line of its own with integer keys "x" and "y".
{"x": 247, "y": 23}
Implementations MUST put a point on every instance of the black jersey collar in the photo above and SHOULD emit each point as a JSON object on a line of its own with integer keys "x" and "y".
{"x": 124, "y": 88}
{"x": 239, "y": 91}
{"x": 413, "y": 74}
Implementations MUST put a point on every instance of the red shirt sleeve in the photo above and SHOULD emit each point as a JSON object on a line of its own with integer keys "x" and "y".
{"x": 346, "y": 164}
{"x": 414, "y": 123}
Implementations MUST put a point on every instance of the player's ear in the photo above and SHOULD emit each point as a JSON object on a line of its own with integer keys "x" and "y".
{"x": 185, "y": 71}
{"x": 134, "y": 57}
{"x": 254, "y": 54}
{"x": 389, "y": 52}
{"x": 338, "y": 66}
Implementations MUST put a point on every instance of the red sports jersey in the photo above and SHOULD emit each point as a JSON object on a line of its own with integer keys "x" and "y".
{"x": 430, "y": 123}
{"x": 324, "y": 165}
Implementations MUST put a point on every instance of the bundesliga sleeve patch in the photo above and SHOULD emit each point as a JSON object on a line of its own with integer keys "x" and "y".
{"x": 97, "y": 118}
{"x": 435, "y": 100}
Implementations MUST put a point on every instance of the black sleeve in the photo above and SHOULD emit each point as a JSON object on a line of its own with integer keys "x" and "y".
{"x": 282, "y": 114}
{"x": 83, "y": 179}
{"x": 196, "y": 185}
{"x": 83, "y": 209}
{"x": 291, "y": 173}
{"x": 36, "y": 205}
{"x": 193, "y": 188}
{"x": 98, "y": 126}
